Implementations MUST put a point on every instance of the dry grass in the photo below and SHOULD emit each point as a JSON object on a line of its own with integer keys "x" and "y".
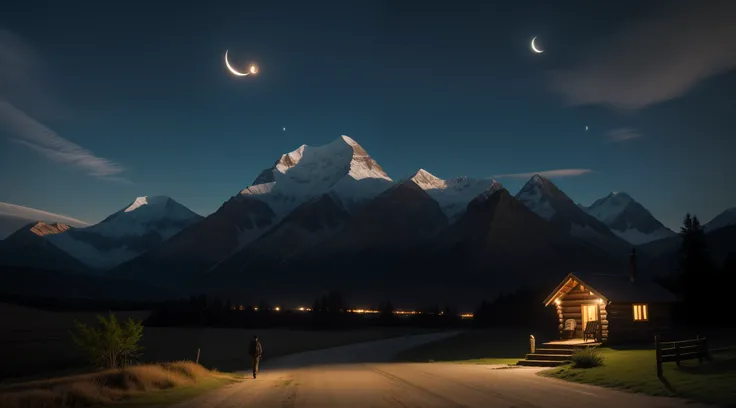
{"x": 104, "y": 387}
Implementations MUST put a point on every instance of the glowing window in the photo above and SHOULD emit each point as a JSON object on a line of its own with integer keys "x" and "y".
{"x": 641, "y": 313}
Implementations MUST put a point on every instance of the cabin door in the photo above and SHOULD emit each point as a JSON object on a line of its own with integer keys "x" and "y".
{"x": 590, "y": 313}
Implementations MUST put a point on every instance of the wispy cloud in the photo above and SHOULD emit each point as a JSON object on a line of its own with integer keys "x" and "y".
{"x": 22, "y": 91}
{"x": 655, "y": 59}
{"x": 34, "y": 214}
{"x": 622, "y": 135}
{"x": 30, "y": 133}
{"x": 548, "y": 173}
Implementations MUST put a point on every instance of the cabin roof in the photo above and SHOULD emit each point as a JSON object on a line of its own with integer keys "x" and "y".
{"x": 615, "y": 288}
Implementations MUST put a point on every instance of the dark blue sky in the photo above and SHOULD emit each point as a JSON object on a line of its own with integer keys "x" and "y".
{"x": 140, "y": 103}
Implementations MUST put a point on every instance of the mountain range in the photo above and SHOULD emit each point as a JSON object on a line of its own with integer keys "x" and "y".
{"x": 329, "y": 217}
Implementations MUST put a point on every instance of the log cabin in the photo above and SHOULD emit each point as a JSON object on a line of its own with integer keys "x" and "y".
{"x": 627, "y": 309}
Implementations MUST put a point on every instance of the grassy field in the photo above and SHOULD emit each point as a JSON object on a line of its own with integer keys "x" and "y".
{"x": 635, "y": 371}
{"x": 36, "y": 343}
{"x": 493, "y": 346}
{"x": 142, "y": 385}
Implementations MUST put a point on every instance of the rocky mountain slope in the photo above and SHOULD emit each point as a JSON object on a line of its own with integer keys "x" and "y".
{"x": 628, "y": 219}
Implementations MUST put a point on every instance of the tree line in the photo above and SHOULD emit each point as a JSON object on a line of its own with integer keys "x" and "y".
{"x": 329, "y": 311}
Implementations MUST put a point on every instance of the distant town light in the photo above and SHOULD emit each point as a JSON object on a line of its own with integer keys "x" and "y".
{"x": 277, "y": 308}
{"x": 301, "y": 309}
{"x": 255, "y": 308}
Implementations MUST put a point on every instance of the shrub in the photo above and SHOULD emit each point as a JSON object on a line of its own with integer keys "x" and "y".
{"x": 587, "y": 358}
{"x": 109, "y": 345}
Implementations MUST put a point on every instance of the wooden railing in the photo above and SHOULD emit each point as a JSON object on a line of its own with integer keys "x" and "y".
{"x": 669, "y": 351}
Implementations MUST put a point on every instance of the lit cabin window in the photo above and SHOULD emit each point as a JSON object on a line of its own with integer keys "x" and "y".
{"x": 641, "y": 313}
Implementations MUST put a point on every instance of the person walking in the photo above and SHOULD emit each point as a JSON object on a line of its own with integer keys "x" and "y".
{"x": 255, "y": 351}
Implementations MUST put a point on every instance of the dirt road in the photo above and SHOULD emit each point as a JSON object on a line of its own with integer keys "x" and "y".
{"x": 362, "y": 375}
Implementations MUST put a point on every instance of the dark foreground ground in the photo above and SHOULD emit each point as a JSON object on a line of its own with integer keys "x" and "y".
{"x": 36, "y": 343}
{"x": 362, "y": 375}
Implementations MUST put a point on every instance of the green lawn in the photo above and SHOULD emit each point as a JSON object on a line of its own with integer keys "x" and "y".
{"x": 174, "y": 395}
{"x": 635, "y": 371}
{"x": 472, "y": 347}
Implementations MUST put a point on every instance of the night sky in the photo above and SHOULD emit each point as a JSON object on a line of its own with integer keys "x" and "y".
{"x": 101, "y": 102}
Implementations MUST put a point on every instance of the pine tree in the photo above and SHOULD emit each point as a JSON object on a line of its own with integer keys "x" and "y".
{"x": 696, "y": 269}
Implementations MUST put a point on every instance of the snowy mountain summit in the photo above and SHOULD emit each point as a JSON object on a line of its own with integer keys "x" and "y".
{"x": 549, "y": 202}
{"x": 538, "y": 194}
{"x": 454, "y": 195}
{"x": 628, "y": 219}
{"x": 160, "y": 213}
{"x": 144, "y": 223}
{"x": 342, "y": 168}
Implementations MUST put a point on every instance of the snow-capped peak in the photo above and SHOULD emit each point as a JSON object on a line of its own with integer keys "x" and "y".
{"x": 349, "y": 140}
{"x": 536, "y": 195}
{"x": 609, "y": 207}
{"x": 146, "y": 200}
{"x": 628, "y": 219}
{"x": 146, "y": 210}
{"x": 538, "y": 179}
{"x": 341, "y": 166}
{"x": 428, "y": 181}
{"x": 454, "y": 195}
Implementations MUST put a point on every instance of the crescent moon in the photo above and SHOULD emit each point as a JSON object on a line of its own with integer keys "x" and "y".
{"x": 534, "y": 47}
{"x": 251, "y": 70}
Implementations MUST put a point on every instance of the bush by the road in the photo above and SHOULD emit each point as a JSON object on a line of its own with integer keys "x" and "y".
{"x": 109, "y": 344}
{"x": 587, "y": 358}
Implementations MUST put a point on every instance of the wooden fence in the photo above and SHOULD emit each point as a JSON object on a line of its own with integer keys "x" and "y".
{"x": 669, "y": 351}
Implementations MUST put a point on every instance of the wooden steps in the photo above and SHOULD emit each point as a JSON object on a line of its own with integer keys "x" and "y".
{"x": 548, "y": 357}
{"x": 554, "y": 354}
{"x": 541, "y": 363}
{"x": 569, "y": 346}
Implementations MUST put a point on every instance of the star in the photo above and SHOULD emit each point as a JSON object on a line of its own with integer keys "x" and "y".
{"x": 284, "y": 129}
{"x": 586, "y": 128}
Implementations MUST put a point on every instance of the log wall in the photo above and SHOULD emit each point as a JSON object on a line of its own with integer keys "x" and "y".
{"x": 570, "y": 307}
{"x": 625, "y": 329}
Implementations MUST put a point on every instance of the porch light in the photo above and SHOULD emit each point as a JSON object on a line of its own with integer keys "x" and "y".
{"x": 557, "y": 301}
{"x": 600, "y": 300}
